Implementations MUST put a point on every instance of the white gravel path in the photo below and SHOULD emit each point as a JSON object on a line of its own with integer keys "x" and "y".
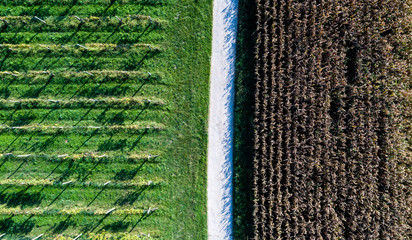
{"x": 220, "y": 143}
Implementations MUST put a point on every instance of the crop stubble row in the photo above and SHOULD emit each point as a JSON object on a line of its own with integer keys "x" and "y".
{"x": 326, "y": 111}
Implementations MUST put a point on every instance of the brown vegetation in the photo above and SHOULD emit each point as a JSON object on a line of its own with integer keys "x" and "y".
{"x": 328, "y": 120}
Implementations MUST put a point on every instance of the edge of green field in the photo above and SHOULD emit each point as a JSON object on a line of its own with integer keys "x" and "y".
{"x": 189, "y": 52}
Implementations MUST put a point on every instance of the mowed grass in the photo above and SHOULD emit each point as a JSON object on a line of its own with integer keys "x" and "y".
{"x": 119, "y": 124}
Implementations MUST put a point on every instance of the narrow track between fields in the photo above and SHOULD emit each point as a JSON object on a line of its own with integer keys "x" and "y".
{"x": 220, "y": 143}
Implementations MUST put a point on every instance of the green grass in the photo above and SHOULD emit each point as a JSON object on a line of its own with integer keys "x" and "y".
{"x": 179, "y": 88}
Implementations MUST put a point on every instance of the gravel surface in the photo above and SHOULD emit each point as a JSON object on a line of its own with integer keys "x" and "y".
{"x": 220, "y": 143}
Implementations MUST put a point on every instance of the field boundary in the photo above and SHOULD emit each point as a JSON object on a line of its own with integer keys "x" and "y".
{"x": 221, "y": 110}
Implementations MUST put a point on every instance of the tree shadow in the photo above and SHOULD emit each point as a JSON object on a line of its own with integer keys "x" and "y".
{"x": 8, "y": 54}
{"x": 136, "y": 64}
{"x": 118, "y": 226}
{"x": 92, "y": 92}
{"x": 12, "y": 114}
{"x": 23, "y": 60}
{"x": 87, "y": 113}
{"x": 6, "y": 224}
{"x": 24, "y": 199}
{"x": 54, "y": 169}
{"x": 149, "y": 28}
{"x": 4, "y": 161}
{"x": 71, "y": 36}
{"x": 142, "y": 7}
{"x": 84, "y": 143}
{"x": 54, "y": 108}
{"x": 3, "y": 198}
{"x": 71, "y": 168}
{"x": 89, "y": 172}
{"x": 139, "y": 138}
{"x": 35, "y": 92}
{"x": 17, "y": 169}
{"x": 25, "y": 227}
{"x": 23, "y": 119}
{"x": 121, "y": 144}
{"x": 41, "y": 146}
{"x": 98, "y": 194}
{"x": 118, "y": 119}
{"x": 14, "y": 140}
{"x": 77, "y": 91}
{"x": 88, "y": 227}
{"x": 113, "y": 145}
{"x": 125, "y": 174}
{"x": 131, "y": 198}
{"x": 12, "y": 40}
{"x": 67, "y": 10}
{"x": 63, "y": 225}
{"x": 58, "y": 195}
{"x": 5, "y": 92}
{"x": 4, "y": 26}
{"x": 32, "y": 38}
{"x": 11, "y": 226}
{"x": 42, "y": 59}
{"x": 145, "y": 215}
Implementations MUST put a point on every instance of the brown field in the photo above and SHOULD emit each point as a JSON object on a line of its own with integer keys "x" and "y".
{"x": 331, "y": 159}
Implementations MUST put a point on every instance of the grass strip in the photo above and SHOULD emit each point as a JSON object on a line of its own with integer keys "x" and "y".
{"x": 129, "y": 23}
{"x": 84, "y": 157}
{"x": 78, "y": 184}
{"x": 75, "y": 211}
{"x": 77, "y": 2}
{"x": 34, "y": 103}
{"x": 84, "y": 130}
{"x": 88, "y": 49}
{"x": 82, "y": 37}
{"x": 80, "y": 77}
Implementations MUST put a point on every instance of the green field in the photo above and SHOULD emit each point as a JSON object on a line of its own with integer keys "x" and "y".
{"x": 103, "y": 104}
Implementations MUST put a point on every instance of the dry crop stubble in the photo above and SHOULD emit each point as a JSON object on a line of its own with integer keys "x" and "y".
{"x": 327, "y": 120}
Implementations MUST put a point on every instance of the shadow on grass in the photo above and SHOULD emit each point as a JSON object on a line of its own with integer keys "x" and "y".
{"x": 126, "y": 174}
{"x": 243, "y": 122}
{"x": 63, "y": 225}
{"x": 131, "y": 198}
{"x": 24, "y": 199}
{"x": 10, "y": 226}
{"x": 118, "y": 226}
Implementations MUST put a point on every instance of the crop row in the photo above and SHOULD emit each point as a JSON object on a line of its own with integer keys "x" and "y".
{"x": 85, "y": 157}
{"x": 79, "y": 171}
{"x": 77, "y": 2}
{"x": 99, "y": 49}
{"x": 76, "y": 78}
{"x": 34, "y": 103}
{"x": 80, "y": 11}
{"x": 82, "y": 195}
{"x": 76, "y": 211}
{"x": 47, "y": 182}
{"x": 60, "y": 143}
{"x": 81, "y": 37}
{"x": 130, "y": 23}
{"x": 65, "y": 227}
{"x": 86, "y": 62}
{"x": 325, "y": 121}
{"x": 58, "y": 91}
{"x": 80, "y": 117}
{"x": 84, "y": 130}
